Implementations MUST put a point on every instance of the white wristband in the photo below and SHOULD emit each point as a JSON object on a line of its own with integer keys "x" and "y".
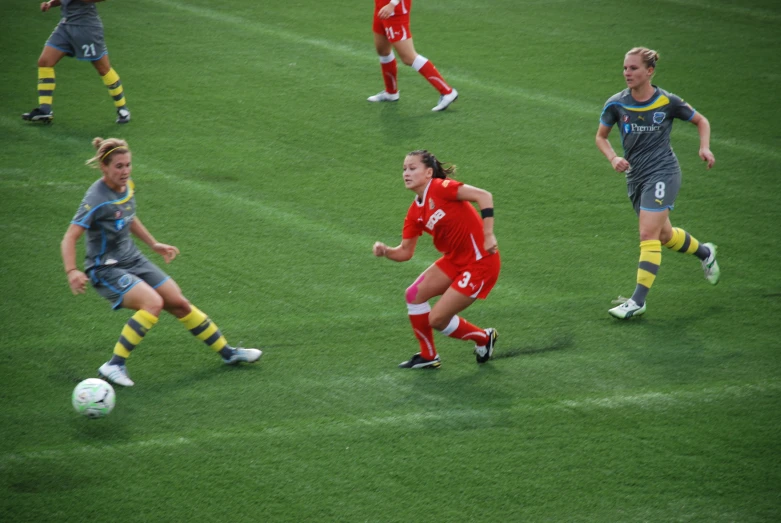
{"x": 395, "y": 2}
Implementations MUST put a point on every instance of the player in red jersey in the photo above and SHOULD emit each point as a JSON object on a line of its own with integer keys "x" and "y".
{"x": 468, "y": 268}
{"x": 391, "y": 31}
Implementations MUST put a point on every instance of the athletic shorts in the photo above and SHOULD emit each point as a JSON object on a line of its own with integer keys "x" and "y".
{"x": 656, "y": 193}
{"x": 474, "y": 280}
{"x": 85, "y": 42}
{"x": 113, "y": 281}
{"x": 395, "y": 28}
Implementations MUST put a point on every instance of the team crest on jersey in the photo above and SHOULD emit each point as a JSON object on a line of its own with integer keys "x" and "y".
{"x": 625, "y": 118}
{"x": 659, "y": 117}
{"x": 431, "y": 204}
{"x": 445, "y": 183}
{"x": 117, "y": 214}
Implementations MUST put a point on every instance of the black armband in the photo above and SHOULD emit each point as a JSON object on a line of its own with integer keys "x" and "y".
{"x": 488, "y": 212}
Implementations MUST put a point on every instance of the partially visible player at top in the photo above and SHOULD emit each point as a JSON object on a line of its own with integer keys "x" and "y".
{"x": 391, "y": 29}
{"x": 79, "y": 34}
{"x": 468, "y": 268}
{"x": 644, "y": 114}
{"x": 118, "y": 270}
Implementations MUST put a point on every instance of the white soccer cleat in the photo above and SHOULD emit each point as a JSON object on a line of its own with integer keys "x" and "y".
{"x": 243, "y": 355}
{"x": 115, "y": 374}
{"x": 445, "y": 100}
{"x": 710, "y": 266}
{"x": 384, "y": 96}
{"x": 123, "y": 115}
{"x": 627, "y": 309}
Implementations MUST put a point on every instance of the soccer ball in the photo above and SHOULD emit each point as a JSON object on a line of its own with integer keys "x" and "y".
{"x": 93, "y": 398}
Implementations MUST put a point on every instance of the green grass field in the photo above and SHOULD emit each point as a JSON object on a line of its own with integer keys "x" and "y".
{"x": 256, "y": 154}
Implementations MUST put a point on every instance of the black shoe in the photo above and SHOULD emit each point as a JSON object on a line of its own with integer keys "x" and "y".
{"x": 36, "y": 115}
{"x": 484, "y": 353}
{"x": 123, "y": 115}
{"x": 419, "y": 362}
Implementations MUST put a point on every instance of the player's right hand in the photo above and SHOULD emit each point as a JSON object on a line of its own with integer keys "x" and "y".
{"x": 45, "y": 7}
{"x": 77, "y": 281}
{"x": 619, "y": 164}
{"x": 386, "y": 11}
{"x": 379, "y": 249}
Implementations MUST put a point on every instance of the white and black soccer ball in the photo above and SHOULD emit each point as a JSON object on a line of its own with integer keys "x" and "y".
{"x": 93, "y": 398}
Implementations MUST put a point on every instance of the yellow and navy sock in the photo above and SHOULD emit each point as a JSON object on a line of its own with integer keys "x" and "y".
{"x": 46, "y": 85}
{"x": 650, "y": 259}
{"x": 203, "y": 328}
{"x": 684, "y": 242}
{"x": 114, "y": 84}
{"x": 132, "y": 334}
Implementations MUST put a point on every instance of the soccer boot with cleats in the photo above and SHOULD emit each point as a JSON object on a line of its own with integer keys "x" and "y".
{"x": 36, "y": 115}
{"x": 484, "y": 353}
{"x": 419, "y": 362}
{"x": 384, "y": 96}
{"x": 710, "y": 266}
{"x": 123, "y": 115}
{"x": 115, "y": 374}
{"x": 239, "y": 355}
{"x": 445, "y": 100}
{"x": 627, "y": 309}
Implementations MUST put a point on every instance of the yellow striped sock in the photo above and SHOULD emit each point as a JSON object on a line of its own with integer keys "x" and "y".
{"x": 134, "y": 331}
{"x": 682, "y": 241}
{"x": 46, "y": 86}
{"x": 203, "y": 328}
{"x": 650, "y": 259}
{"x": 114, "y": 84}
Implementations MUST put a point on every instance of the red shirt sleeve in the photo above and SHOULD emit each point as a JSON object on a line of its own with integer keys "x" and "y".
{"x": 447, "y": 189}
{"x": 413, "y": 223}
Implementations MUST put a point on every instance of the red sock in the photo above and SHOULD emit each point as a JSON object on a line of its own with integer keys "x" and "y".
{"x": 431, "y": 74}
{"x": 466, "y": 331}
{"x": 424, "y": 334}
{"x": 389, "y": 71}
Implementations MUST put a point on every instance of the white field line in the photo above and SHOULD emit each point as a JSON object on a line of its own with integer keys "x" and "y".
{"x": 648, "y": 400}
{"x": 366, "y": 53}
{"x": 315, "y": 230}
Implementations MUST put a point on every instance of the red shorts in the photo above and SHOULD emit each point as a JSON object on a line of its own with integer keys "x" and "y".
{"x": 474, "y": 280}
{"x": 395, "y": 28}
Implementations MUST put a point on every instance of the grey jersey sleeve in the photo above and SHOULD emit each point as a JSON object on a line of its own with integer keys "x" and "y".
{"x": 610, "y": 113}
{"x": 680, "y": 109}
{"x": 90, "y": 208}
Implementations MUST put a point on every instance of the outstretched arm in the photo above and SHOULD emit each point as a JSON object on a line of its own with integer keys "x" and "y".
{"x": 703, "y": 128}
{"x": 400, "y": 253}
{"x": 168, "y": 252}
{"x": 603, "y": 144}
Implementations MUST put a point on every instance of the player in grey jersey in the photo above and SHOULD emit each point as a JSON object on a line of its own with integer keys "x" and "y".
{"x": 118, "y": 270}
{"x": 645, "y": 114}
{"x": 79, "y": 34}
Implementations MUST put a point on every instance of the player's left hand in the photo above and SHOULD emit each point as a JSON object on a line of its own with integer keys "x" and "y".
{"x": 490, "y": 243}
{"x": 168, "y": 252}
{"x": 707, "y": 157}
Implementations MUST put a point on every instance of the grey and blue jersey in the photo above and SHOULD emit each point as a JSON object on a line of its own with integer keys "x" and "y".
{"x": 107, "y": 216}
{"x": 77, "y": 12}
{"x": 645, "y": 131}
